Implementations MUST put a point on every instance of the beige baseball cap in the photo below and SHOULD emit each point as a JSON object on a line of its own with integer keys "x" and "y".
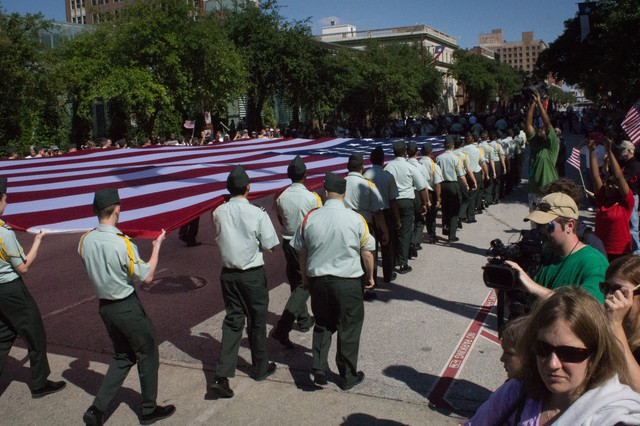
{"x": 553, "y": 206}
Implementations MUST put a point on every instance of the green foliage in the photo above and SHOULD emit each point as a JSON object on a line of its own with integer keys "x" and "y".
{"x": 484, "y": 79}
{"x": 386, "y": 79}
{"x": 156, "y": 63}
{"x": 606, "y": 61}
{"x": 558, "y": 96}
{"x": 30, "y": 109}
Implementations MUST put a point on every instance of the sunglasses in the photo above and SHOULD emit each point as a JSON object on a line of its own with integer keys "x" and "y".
{"x": 607, "y": 288}
{"x": 564, "y": 353}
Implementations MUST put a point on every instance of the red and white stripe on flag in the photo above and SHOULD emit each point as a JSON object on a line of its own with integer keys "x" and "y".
{"x": 631, "y": 123}
{"x": 574, "y": 158}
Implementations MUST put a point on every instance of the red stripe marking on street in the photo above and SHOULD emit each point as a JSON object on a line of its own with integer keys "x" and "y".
{"x": 492, "y": 337}
{"x": 457, "y": 359}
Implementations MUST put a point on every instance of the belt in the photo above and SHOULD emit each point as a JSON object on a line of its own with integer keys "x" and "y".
{"x": 332, "y": 278}
{"x": 255, "y": 268}
{"x": 105, "y": 302}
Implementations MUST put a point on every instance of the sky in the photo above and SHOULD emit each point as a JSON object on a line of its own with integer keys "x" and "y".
{"x": 461, "y": 19}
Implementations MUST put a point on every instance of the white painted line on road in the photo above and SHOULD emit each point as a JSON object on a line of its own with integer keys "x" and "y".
{"x": 59, "y": 311}
{"x": 206, "y": 416}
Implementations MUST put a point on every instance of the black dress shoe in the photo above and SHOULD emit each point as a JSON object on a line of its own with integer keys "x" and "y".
{"x": 271, "y": 368}
{"x": 471, "y": 221}
{"x": 49, "y": 388}
{"x": 319, "y": 378}
{"x": 221, "y": 387}
{"x": 358, "y": 380}
{"x": 454, "y": 239}
{"x": 413, "y": 253}
{"x": 445, "y": 231}
{"x": 158, "y": 414}
{"x": 369, "y": 295}
{"x": 307, "y": 326}
{"x": 93, "y": 417}
{"x": 404, "y": 269}
{"x": 394, "y": 275}
{"x": 479, "y": 212}
{"x": 283, "y": 338}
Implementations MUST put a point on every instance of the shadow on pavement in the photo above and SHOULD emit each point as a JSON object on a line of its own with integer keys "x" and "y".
{"x": 361, "y": 419}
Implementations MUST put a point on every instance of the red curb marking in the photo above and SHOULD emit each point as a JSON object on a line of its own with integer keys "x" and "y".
{"x": 492, "y": 337}
{"x": 457, "y": 359}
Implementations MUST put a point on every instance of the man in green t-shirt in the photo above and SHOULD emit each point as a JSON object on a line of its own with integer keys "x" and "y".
{"x": 544, "y": 151}
{"x": 569, "y": 261}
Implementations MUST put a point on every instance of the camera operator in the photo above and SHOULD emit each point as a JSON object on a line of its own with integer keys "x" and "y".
{"x": 544, "y": 150}
{"x": 568, "y": 261}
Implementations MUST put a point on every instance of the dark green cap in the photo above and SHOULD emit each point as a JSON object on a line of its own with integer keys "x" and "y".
{"x": 105, "y": 197}
{"x": 3, "y": 185}
{"x": 355, "y": 161}
{"x": 448, "y": 141}
{"x": 399, "y": 144}
{"x": 412, "y": 145}
{"x": 334, "y": 183}
{"x": 238, "y": 179}
{"x": 296, "y": 169}
{"x": 426, "y": 148}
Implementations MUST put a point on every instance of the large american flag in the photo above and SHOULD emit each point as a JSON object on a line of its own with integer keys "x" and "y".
{"x": 631, "y": 123}
{"x": 163, "y": 187}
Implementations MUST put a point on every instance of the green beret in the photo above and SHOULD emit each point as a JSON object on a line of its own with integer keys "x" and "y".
{"x": 355, "y": 162}
{"x": 238, "y": 180}
{"x": 105, "y": 197}
{"x": 296, "y": 169}
{"x": 427, "y": 148}
{"x": 334, "y": 183}
{"x": 449, "y": 141}
{"x": 3, "y": 185}
{"x": 399, "y": 144}
{"x": 412, "y": 145}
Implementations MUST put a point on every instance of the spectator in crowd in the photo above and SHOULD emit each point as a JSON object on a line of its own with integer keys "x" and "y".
{"x": 511, "y": 334}
{"x": 631, "y": 170}
{"x": 622, "y": 288}
{"x": 615, "y": 203}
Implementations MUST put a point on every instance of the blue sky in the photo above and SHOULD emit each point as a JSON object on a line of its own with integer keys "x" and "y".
{"x": 462, "y": 19}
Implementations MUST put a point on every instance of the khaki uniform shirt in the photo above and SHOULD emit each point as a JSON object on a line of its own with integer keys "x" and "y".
{"x": 332, "y": 237}
{"x": 362, "y": 196}
{"x": 292, "y": 205}
{"x": 420, "y": 168}
{"x": 385, "y": 183}
{"x": 11, "y": 254}
{"x": 474, "y": 154}
{"x": 242, "y": 231}
{"x": 112, "y": 262}
{"x": 496, "y": 151}
{"x": 407, "y": 178}
{"x": 434, "y": 173}
{"x": 488, "y": 150}
{"x": 451, "y": 166}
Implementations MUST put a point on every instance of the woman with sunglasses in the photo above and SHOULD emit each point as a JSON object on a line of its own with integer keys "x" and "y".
{"x": 571, "y": 364}
{"x": 620, "y": 288}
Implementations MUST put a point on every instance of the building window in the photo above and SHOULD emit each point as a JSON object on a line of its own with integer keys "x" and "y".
{"x": 84, "y": 20}
{"x": 95, "y": 18}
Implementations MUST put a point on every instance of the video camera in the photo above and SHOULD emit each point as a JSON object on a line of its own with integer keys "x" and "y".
{"x": 526, "y": 252}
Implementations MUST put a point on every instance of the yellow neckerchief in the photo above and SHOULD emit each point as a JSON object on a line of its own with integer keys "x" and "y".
{"x": 130, "y": 266}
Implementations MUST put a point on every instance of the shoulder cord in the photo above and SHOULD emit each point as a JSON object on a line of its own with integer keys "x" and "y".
{"x": 304, "y": 221}
{"x": 131, "y": 264}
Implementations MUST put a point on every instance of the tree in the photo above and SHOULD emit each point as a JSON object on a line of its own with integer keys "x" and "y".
{"x": 281, "y": 56}
{"x": 30, "y": 109}
{"x": 606, "y": 63}
{"x": 157, "y": 64}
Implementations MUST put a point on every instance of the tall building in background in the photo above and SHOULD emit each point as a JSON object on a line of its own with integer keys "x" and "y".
{"x": 521, "y": 55}
{"x": 435, "y": 43}
{"x": 90, "y": 12}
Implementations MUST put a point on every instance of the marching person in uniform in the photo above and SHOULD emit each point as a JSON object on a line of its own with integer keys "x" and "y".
{"x": 475, "y": 160}
{"x": 19, "y": 313}
{"x": 112, "y": 263}
{"x": 434, "y": 179}
{"x": 243, "y": 231}
{"x": 465, "y": 193}
{"x": 453, "y": 175}
{"x": 407, "y": 178}
{"x": 291, "y": 207}
{"x": 333, "y": 243}
{"x": 421, "y": 203}
{"x": 386, "y": 185}
{"x": 363, "y": 197}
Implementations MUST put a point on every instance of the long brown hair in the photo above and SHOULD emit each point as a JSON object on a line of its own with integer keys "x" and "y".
{"x": 628, "y": 268}
{"x": 587, "y": 319}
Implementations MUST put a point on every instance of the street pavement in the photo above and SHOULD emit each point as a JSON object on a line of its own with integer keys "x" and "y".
{"x": 429, "y": 345}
